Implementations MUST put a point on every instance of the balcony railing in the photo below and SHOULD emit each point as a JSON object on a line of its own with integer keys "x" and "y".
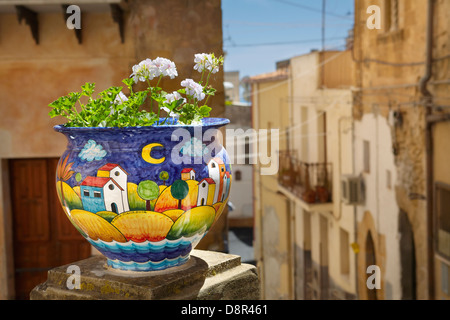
{"x": 310, "y": 182}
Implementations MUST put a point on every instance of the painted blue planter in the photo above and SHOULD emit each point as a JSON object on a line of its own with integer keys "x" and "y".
{"x": 144, "y": 196}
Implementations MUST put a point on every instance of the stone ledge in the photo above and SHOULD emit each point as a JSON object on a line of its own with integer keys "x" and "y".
{"x": 207, "y": 275}
{"x": 238, "y": 283}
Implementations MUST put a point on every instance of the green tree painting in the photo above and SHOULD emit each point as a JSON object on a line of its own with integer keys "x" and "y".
{"x": 179, "y": 190}
{"x": 164, "y": 176}
{"x": 148, "y": 190}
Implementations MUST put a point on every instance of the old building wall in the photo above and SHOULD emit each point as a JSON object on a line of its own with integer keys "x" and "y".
{"x": 322, "y": 131}
{"x": 390, "y": 61}
{"x": 378, "y": 172}
{"x": 439, "y": 86}
{"x": 304, "y": 80}
{"x": 272, "y": 237}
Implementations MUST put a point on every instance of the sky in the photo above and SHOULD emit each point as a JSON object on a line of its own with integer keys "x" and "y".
{"x": 258, "y": 33}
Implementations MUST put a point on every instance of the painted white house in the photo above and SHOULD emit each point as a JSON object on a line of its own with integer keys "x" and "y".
{"x": 102, "y": 194}
{"x": 206, "y": 191}
{"x": 120, "y": 176}
{"x": 216, "y": 169}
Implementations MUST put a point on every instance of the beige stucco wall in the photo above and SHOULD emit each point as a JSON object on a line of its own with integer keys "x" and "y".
{"x": 309, "y": 105}
{"x": 380, "y": 202}
{"x": 306, "y": 104}
{"x": 271, "y": 215}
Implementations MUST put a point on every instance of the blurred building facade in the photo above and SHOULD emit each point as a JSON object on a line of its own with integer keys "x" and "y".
{"x": 40, "y": 60}
{"x": 370, "y": 126}
{"x": 402, "y": 78}
{"x": 314, "y": 229}
{"x": 240, "y": 115}
{"x": 272, "y": 239}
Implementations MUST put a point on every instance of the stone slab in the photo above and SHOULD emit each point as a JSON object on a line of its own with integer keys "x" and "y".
{"x": 206, "y": 275}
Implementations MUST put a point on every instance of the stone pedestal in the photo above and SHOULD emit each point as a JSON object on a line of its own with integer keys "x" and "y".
{"x": 208, "y": 275}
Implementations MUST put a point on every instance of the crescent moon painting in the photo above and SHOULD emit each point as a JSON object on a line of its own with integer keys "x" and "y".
{"x": 146, "y": 154}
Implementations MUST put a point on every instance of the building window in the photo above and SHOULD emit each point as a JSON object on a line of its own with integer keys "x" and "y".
{"x": 442, "y": 207}
{"x": 111, "y": 187}
{"x": 97, "y": 194}
{"x": 366, "y": 156}
{"x": 86, "y": 193}
{"x": 117, "y": 173}
{"x": 247, "y": 152}
{"x": 344, "y": 251}
{"x": 238, "y": 175}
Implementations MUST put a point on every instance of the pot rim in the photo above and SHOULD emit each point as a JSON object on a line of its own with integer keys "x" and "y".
{"x": 206, "y": 122}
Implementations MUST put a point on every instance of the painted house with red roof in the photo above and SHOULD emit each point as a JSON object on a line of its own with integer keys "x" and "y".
{"x": 120, "y": 176}
{"x": 188, "y": 174}
{"x": 107, "y": 191}
{"x": 206, "y": 190}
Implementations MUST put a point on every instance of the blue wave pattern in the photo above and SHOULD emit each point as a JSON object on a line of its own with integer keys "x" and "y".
{"x": 147, "y": 256}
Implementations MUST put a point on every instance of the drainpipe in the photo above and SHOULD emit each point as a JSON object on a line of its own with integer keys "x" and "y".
{"x": 355, "y": 213}
{"x": 428, "y": 102}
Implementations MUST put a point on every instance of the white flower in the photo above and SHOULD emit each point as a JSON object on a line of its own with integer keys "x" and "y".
{"x": 150, "y": 69}
{"x": 165, "y": 67}
{"x": 212, "y": 63}
{"x": 171, "y": 97}
{"x": 206, "y": 61}
{"x": 174, "y": 96}
{"x": 146, "y": 69}
{"x": 193, "y": 89}
{"x": 200, "y": 59}
{"x": 120, "y": 98}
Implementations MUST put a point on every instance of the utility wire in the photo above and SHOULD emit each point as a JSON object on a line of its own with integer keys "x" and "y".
{"x": 282, "y": 24}
{"x": 295, "y": 4}
{"x": 281, "y": 42}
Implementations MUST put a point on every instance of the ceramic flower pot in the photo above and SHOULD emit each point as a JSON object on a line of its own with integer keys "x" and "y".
{"x": 144, "y": 196}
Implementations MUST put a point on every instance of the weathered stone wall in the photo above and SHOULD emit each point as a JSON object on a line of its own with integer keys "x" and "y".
{"x": 390, "y": 63}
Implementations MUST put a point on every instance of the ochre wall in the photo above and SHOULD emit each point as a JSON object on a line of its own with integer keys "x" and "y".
{"x": 272, "y": 237}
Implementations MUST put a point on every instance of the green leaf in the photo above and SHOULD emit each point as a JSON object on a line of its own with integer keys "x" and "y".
{"x": 87, "y": 89}
{"x": 204, "y": 111}
{"x": 209, "y": 91}
{"x": 179, "y": 102}
{"x": 129, "y": 83}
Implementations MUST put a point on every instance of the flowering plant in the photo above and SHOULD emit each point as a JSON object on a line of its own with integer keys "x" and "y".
{"x": 112, "y": 108}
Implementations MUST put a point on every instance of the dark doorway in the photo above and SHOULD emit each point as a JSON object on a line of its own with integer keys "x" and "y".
{"x": 407, "y": 257}
{"x": 43, "y": 237}
{"x": 370, "y": 260}
{"x": 114, "y": 208}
